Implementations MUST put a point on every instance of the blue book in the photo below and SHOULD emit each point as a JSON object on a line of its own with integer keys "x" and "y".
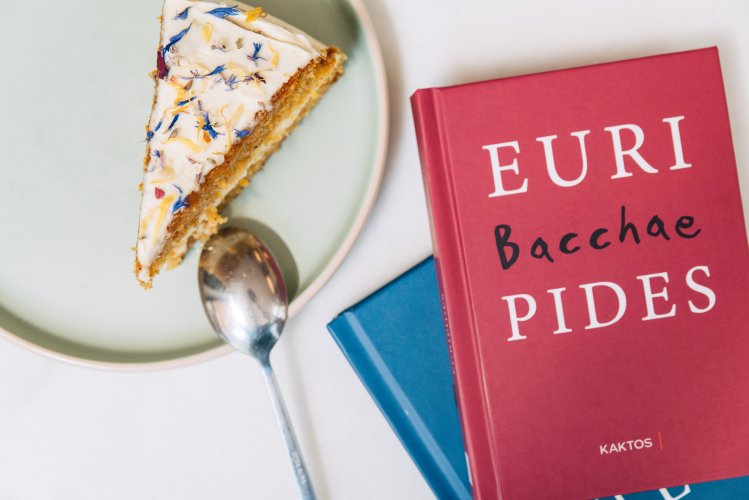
{"x": 395, "y": 341}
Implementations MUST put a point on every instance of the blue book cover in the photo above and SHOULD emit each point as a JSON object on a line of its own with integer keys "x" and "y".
{"x": 395, "y": 341}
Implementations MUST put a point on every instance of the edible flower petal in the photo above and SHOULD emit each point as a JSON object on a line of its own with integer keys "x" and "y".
{"x": 174, "y": 120}
{"x": 222, "y": 12}
{"x": 182, "y": 103}
{"x": 182, "y": 15}
{"x": 176, "y": 38}
{"x": 256, "y": 53}
{"x": 208, "y": 127}
{"x": 216, "y": 70}
{"x": 253, "y": 14}
{"x": 181, "y": 201}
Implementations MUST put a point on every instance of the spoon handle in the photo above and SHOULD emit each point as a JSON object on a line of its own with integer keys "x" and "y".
{"x": 297, "y": 463}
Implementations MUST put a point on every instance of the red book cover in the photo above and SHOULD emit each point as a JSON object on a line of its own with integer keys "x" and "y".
{"x": 592, "y": 257}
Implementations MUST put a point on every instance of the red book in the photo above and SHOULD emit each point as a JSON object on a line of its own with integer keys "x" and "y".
{"x": 592, "y": 257}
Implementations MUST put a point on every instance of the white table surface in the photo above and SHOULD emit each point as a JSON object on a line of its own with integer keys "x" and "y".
{"x": 208, "y": 432}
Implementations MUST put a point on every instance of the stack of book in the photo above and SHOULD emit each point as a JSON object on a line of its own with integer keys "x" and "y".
{"x": 583, "y": 329}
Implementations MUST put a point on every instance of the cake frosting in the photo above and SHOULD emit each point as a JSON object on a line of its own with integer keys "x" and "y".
{"x": 218, "y": 65}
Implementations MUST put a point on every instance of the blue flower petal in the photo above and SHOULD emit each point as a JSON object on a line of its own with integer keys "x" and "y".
{"x": 222, "y": 12}
{"x": 216, "y": 70}
{"x": 255, "y": 57}
{"x": 176, "y": 38}
{"x": 182, "y": 15}
{"x": 180, "y": 203}
{"x": 209, "y": 128}
{"x": 174, "y": 120}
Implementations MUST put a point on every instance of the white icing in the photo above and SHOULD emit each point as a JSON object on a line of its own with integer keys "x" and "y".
{"x": 248, "y": 62}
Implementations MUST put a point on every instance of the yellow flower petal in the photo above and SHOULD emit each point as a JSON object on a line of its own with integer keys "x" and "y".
{"x": 187, "y": 142}
{"x": 253, "y": 14}
{"x": 207, "y": 31}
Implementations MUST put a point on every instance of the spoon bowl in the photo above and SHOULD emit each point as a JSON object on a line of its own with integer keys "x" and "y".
{"x": 243, "y": 291}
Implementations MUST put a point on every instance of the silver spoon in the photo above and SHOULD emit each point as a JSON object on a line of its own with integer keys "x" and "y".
{"x": 244, "y": 297}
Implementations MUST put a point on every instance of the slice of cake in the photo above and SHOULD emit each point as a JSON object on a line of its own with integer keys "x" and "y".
{"x": 231, "y": 84}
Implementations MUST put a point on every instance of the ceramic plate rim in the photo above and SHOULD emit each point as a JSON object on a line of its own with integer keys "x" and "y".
{"x": 373, "y": 187}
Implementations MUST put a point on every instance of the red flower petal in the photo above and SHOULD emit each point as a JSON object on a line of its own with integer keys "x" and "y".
{"x": 161, "y": 69}
{"x": 159, "y": 193}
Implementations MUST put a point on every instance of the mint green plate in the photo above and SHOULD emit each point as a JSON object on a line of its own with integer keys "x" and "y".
{"x": 75, "y": 95}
